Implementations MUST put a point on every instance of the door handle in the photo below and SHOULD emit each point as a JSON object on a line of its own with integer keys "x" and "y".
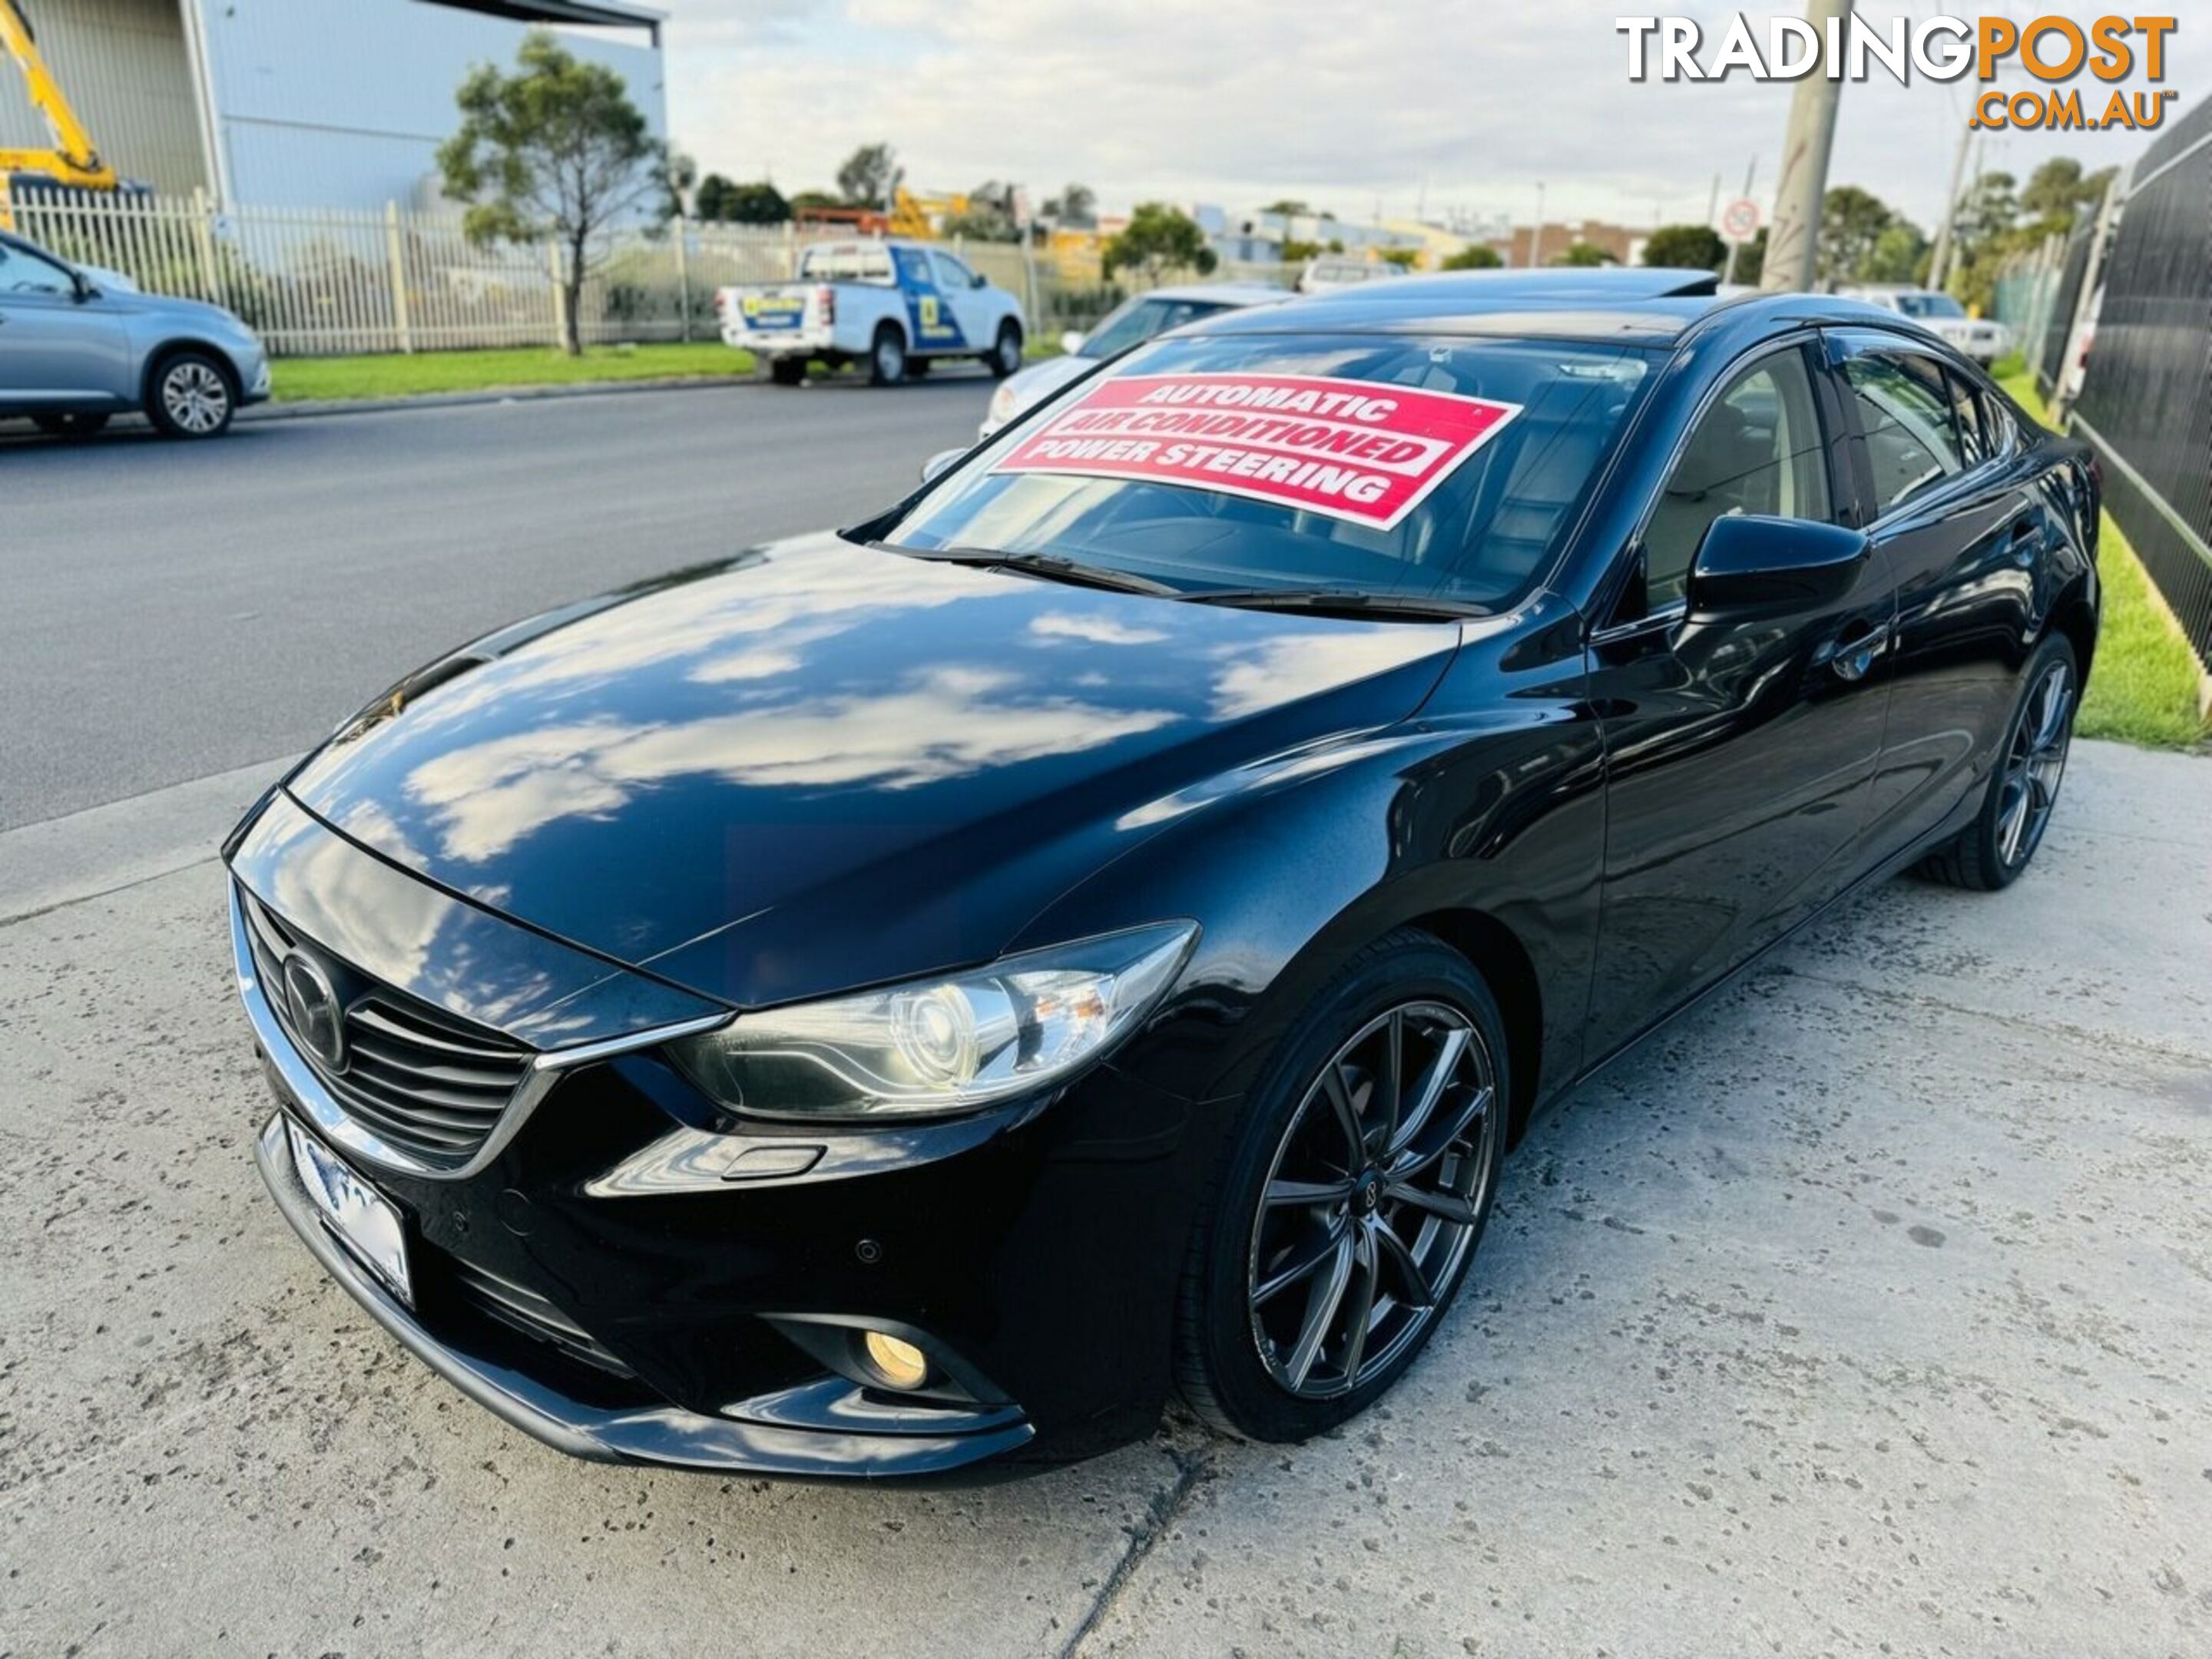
{"x": 1857, "y": 647}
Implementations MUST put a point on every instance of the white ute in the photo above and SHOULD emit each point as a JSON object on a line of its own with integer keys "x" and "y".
{"x": 894, "y": 305}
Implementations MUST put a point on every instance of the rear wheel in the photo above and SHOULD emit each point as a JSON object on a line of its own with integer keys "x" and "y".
{"x": 70, "y": 426}
{"x": 1006, "y": 354}
{"x": 1992, "y": 851}
{"x": 787, "y": 371}
{"x": 887, "y": 358}
{"x": 1350, "y": 1199}
{"x": 191, "y": 396}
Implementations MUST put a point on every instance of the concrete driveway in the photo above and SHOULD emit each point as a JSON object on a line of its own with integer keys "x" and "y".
{"x": 1869, "y": 1310}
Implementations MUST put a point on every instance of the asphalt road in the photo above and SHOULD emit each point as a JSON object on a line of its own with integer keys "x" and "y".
{"x": 172, "y": 610}
{"x": 1866, "y": 1310}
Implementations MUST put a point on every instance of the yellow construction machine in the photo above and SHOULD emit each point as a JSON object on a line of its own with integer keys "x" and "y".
{"x": 74, "y": 163}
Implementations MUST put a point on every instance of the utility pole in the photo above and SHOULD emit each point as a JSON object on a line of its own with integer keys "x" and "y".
{"x": 1793, "y": 246}
{"x": 1537, "y": 236}
{"x": 1713, "y": 204}
{"x": 1941, "y": 256}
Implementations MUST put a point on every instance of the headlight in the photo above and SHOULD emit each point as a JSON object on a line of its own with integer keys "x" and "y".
{"x": 940, "y": 1045}
{"x": 1005, "y": 404}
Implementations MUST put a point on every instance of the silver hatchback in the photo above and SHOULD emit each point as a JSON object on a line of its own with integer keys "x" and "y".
{"x": 79, "y": 346}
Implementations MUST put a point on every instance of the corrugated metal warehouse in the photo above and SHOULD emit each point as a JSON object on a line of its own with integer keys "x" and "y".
{"x": 299, "y": 103}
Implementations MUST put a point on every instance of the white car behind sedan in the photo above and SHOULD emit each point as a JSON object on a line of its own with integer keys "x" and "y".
{"x": 1984, "y": 342}
{"x": 1128, "y": 325}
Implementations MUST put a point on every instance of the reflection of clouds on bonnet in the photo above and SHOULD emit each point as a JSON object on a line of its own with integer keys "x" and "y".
{"x": 1252, "y": 679}
{"x": 943, "y": 723}
{"x": 822, "y": 595}
{"x": 1098, "y": 630}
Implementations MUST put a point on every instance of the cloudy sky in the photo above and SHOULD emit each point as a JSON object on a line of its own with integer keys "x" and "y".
{"x": 1343, "y": 103}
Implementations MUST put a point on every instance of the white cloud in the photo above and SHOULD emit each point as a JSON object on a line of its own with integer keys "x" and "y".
{"x": 1239, "y": 101}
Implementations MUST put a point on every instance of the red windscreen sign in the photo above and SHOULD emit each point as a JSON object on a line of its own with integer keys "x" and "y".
{"x": 1356, "y": 450}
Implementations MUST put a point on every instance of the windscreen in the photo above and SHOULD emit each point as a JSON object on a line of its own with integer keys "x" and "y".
{"x": 846, "y": 262}
{"x": 1436, "y": 469}
{"x": 1141, "y": 318}
{"x": 1930, "y": 305}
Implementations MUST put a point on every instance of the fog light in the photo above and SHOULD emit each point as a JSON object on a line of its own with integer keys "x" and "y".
{"x": 899, "y": 1364}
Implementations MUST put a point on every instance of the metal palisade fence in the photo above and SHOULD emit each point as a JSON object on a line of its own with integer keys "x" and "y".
{"x": 2146, "y": 396}
{"x": 319, "y": 281}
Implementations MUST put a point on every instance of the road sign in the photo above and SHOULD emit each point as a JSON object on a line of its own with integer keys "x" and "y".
{"x": 1740, "y": 222}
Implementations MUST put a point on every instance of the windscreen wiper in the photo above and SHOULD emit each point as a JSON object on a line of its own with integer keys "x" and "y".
{"x": 1050, "y": 566}
{"x": 1339, "y": 602}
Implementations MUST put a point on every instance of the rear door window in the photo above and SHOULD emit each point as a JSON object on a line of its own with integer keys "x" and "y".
{"x": 846, "y": 262}
{"x": 1904, "y": 400}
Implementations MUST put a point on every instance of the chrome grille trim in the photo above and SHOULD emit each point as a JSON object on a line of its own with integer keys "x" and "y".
{"x": 420, "y": 1081}
{"x": 334, "y": 1117}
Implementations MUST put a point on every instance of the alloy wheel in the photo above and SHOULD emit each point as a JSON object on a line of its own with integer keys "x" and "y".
{"x": 1373, "y": 1199}
{"x": 196, "y": 398}
{"x": 2035, "y": 765}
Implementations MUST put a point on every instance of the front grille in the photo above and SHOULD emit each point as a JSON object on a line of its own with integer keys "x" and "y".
{"x": 420, "y": 1080}
{"x": 525, "y": 1310}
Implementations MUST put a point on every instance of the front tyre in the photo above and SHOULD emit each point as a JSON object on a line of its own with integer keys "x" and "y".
{"x": 1006, "y": 353}
{"x": 1990, "y": 852}
{"x": 1350, "y": 1198}
{"x": 191, "y": 396}
{"x": 887, "y": 358}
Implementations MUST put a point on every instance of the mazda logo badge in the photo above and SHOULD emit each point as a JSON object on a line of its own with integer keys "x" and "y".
{"x": 317, "y": 1019}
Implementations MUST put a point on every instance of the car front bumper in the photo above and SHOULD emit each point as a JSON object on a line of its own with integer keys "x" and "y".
{"x": 1035, "y": 1252}
{"x": 796, "y": 1431}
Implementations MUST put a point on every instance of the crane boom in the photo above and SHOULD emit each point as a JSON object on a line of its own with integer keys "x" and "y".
{"x": 74, "y": 160}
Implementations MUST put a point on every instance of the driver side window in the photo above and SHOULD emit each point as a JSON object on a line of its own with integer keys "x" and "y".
{"x": 1758, "y": 449}
{"x": 23, "y": 271}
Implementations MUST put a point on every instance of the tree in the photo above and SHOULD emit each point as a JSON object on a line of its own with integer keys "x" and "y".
{"x": 1583, "y": 255}
{"x": 555, "y": 153}
{"x": 711, "y": 200}
{"x": 1076, "y": 207}
{"x": 1159, "y": 239}
{"x": 1296, "y": 253}
{"x": 1898, "y": 255}
{"x": 1475, "y": 256}
{"x": 868, "y": 175}
{"x": 680, "y": 173}
{"x": 759, "y": 202}
{"x": 803, "y": 201}
{"x": 1751, "y": 259}
{"x": 1404, "y": 258}
{"x": 1851, "y": 222}
{"x": 1287, "y": 208}
{"x": 988, "y": 216}
{"x": 1685, "y": 247}
{"x": 1989, "y": 210}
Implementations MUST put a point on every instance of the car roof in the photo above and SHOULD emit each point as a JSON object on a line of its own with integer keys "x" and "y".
{"x": 1638, "y": 307}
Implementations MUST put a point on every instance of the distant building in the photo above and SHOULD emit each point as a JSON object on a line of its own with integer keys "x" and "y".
{"x": 300, "y": 103}
{"x": 1260, "y": 238}
{"x": 1624, "y": 244}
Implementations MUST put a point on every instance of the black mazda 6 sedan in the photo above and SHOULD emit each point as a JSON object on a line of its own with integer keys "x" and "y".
{"x": 928, "y": 992}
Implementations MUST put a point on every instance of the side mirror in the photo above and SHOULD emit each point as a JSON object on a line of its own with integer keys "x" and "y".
{"x": 977, "y": 279}
{"x": 940, "y": 464}
{"x": 1748, "y": 562}
{"x": 85, "y": 290}
{"x": 1071, "y": 341}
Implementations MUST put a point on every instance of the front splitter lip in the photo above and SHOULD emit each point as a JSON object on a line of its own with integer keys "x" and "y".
{"x": 665, "y": 1436}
